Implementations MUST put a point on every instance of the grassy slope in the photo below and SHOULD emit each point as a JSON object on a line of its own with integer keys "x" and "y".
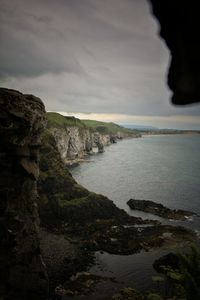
{"x": 106, "y": 127}
{"x": 57, "y": 120}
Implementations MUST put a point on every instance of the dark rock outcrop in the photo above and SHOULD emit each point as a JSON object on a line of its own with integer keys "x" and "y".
{"x": 158, "y": 209}
{"x": 169, "y": 260}
{"x": 22, "y": 272}
{"x": 179, "y": 21}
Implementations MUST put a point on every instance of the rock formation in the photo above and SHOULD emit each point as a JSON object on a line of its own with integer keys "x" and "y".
{"x": 72, "y": 142}
{"x": 159, "y": 209}
{"x": 179, "y": 21}
{"x": 75, "y": 140}
{"x": 22, "y": 272}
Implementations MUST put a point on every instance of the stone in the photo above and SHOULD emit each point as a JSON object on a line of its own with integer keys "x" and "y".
{"x": 169, "y": 260}
{"x": 159, "y": 209}
{"x": 22, "y": 274}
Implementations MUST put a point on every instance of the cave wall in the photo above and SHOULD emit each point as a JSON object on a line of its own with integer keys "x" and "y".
{"x": 179, "y": 27}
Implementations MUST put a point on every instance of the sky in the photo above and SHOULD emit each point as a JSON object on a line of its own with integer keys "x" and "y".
{"x": 96, "y": 59}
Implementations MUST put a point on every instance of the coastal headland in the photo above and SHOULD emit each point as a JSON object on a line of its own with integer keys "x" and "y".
{"x": 52, "y": 225}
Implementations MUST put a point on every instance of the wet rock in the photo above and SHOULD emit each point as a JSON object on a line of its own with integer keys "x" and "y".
{"x": 124, "y": 240}
{"x": 84, "y": 283}
{"x": 22, "y": 273}
{"x": 159, "y": 209}
{"x": 128, "y": 293}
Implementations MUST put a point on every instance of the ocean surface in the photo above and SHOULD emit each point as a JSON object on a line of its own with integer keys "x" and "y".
{"x": 162, "y": 168}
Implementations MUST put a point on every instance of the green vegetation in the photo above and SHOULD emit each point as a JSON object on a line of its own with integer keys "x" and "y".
{"x": 55, "y": 183}
{"x": 185, "y": 280}
{"x": 105, "y": 127}
{"x": 72, "y": 202}
{"x": 128, "y": 294}
{"x": 57, "y": 120}
{"x": 61, "y": 197}
{"x": 182, "y": 283}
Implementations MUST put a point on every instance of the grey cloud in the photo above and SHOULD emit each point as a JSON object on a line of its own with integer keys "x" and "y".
{"x": 21, "y": 57}
{"x": 28, "y": 49}
{"x": 92, "y": 55}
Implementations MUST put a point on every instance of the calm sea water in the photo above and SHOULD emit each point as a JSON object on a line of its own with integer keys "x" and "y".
{"x": 165, "y": 169}
{"x": 161, "y": 168}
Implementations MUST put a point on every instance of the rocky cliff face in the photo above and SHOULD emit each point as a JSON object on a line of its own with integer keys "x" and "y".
{"x": 22, "y": 272}
{"x": 75, "y": 142}
{"x": 72, "y": 142}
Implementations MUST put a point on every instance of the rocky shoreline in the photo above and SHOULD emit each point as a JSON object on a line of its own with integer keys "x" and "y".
{"x": 122, "y": 237}
{"x": 158, "y": 209}
{"x": 86, "y": 222}
{"x": 69, "y": 251}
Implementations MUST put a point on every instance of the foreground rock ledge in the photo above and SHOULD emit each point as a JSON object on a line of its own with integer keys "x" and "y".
{"x": 22, "y": 272}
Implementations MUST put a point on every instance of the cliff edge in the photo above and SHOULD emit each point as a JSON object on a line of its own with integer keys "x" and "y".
{"x": 76, "y": 138}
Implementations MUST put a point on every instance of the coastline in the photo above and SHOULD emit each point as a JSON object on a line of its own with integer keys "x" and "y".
{"x": 91, "y": 223}
{"x": 104, "y": 257}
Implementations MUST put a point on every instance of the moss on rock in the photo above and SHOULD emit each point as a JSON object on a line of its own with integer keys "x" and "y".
{"x": 61, "y": 197}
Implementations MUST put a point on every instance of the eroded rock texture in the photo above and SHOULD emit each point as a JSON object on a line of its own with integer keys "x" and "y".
{"x": 180, "y": 23}
{"x": 22, "y": 272}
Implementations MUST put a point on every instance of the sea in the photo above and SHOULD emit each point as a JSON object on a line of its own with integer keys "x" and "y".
{"x": 162, "y": 168}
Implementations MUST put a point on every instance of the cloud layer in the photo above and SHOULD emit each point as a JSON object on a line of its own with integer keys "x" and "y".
{"x": 99, "y": 56}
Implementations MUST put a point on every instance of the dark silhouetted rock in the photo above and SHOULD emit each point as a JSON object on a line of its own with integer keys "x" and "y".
{"x": 168, "y": 260}
{"x": 180, "y": 23}
{"x": 22, "y": 272}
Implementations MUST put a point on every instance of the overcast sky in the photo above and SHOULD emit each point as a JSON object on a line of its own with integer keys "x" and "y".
{"x": 98, "y": 57}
